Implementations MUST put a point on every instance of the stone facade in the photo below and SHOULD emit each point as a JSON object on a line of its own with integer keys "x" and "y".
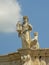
{"x": 10, "y": 59}
{"x": 26, "y": 57}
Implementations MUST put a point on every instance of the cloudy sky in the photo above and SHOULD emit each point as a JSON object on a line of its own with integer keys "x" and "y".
{"x": 12, "y": 11}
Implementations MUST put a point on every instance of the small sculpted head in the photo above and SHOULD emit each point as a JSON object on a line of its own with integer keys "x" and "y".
{"x": 25, "y": 19}
{"x": 35, "y": 33}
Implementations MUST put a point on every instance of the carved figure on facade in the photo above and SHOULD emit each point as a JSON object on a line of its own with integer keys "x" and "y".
{"x": 24, "y": 30}
{"x": 26, "y": 60}
{"x": 34, "y": 41}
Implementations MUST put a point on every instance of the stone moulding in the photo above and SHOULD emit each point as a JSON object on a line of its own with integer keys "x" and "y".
{"x": 10, "y": 57}
{"x": 35, "y": 52}
{"x": 17, "y": 55}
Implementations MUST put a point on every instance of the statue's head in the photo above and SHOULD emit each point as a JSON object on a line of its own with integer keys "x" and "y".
{"x": 35, "y": 33}
{"x": 25, "y": 19}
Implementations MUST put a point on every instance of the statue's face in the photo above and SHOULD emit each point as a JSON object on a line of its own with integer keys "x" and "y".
{"x": 25, "y": 21}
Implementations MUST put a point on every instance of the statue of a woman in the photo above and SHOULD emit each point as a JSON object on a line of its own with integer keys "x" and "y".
{"x": 24, "y": 32}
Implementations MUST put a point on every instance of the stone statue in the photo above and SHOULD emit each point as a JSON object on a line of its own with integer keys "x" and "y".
{"x": 24, "y": 30}
{"x": 26, "y": 60}
{"x": 34, "y": 41}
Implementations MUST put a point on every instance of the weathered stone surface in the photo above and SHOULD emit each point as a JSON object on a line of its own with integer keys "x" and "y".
{"x": 26, "y": 57}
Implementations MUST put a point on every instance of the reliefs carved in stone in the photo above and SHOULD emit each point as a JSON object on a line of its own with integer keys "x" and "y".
{"x": 26, "y": 60}
{"x": 43, "y": 62}
{"x": 36, "y": 61}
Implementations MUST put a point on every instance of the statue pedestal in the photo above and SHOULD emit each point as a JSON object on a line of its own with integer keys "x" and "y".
{"x": 35, "y": 56}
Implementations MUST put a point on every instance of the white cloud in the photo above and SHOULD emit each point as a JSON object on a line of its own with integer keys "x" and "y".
{"x": 10, "y": 13}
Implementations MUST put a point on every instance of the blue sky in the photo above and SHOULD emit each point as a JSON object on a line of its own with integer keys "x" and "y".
{"x": 38, "y": 13}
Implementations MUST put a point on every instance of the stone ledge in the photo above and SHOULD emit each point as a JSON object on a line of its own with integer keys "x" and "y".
{"x": 17, "y": 55}
{"x": 35, "y": 52}
{"x": 10, "y": 57}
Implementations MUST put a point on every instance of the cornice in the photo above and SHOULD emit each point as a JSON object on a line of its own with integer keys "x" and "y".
{"x": 16, "y": 56}
{"x": 10, "y": 57}
{"x": 35, "y": 52}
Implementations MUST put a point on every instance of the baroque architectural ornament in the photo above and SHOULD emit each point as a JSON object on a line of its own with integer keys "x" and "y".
{"x": 30, "y": 53}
